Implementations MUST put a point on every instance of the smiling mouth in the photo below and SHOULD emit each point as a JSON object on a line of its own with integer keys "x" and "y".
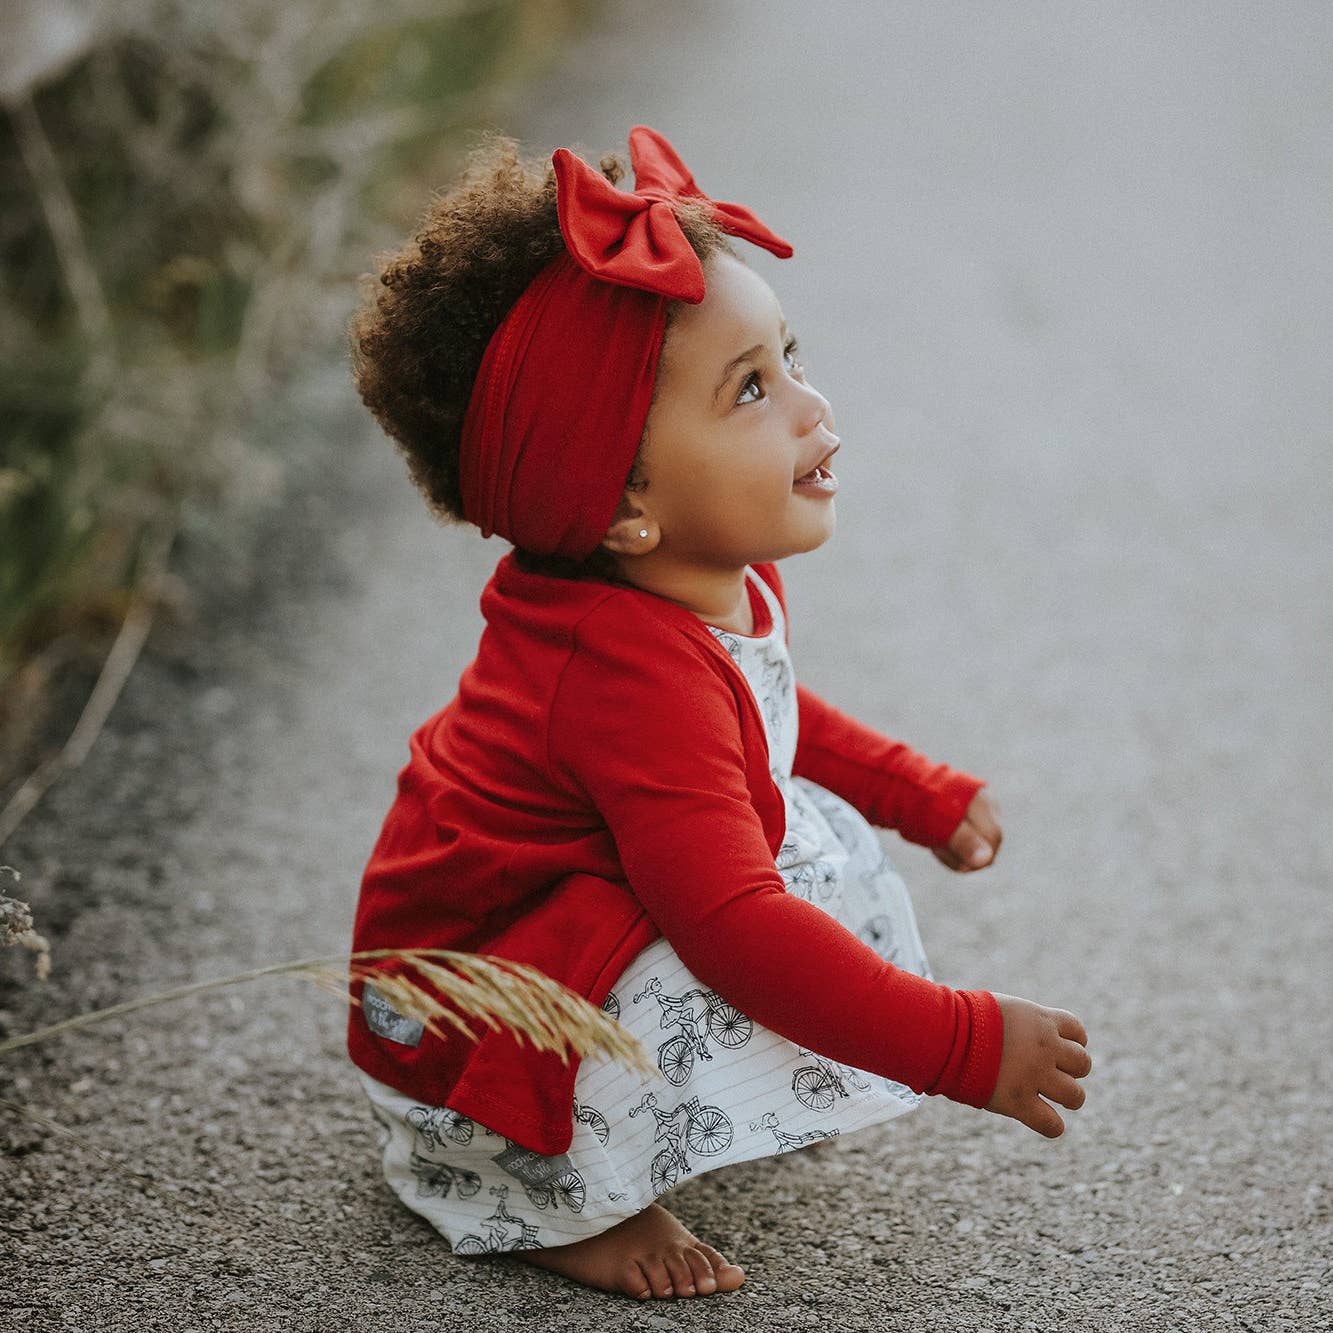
{"x": 819, "y": 479}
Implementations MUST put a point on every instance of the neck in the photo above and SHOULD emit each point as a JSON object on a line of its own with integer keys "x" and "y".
{"x": 717, "y": 596}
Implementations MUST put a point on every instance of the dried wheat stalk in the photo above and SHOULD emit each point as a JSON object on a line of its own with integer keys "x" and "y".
{"x": 494, "y": 990}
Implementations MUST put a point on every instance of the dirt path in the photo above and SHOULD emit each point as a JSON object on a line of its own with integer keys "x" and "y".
{"x": 1082, "y": 551}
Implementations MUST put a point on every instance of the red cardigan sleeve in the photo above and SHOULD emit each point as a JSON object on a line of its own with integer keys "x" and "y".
{"x": 645, "y": 726}
{"x": 891, "y": 784}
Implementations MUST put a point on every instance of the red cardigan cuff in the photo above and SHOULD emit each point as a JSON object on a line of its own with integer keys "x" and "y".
{"x": 973, "y": 1068}
{"x": 944, "y": 803}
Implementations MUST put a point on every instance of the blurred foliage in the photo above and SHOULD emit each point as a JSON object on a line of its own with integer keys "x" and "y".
{"x": 182, "y": 213}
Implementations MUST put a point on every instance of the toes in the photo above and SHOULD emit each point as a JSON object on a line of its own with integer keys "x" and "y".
{"x": 702, "y": 1268}
{"x": 682, "y": 1275}
{"x": 729, "y": 1276}
{"x": 658, "y": 1277}
{"x": 636, "y": 1283}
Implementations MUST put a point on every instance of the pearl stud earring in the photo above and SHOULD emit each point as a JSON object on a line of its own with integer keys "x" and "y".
{"x": 643, "y": 532}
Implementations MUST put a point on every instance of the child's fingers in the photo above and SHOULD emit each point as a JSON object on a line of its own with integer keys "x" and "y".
{"x": 1061, "y": 1088}
{"x": 983, "y": 818}
{"x": 947, "y": 858}
{"x": 1042, "y": 1117}
{"x": 961, "y": 864}
{"x": 1069, "y": 1026}
{"x": 976, "y": 839}
{"x": 1074, "y": 1059}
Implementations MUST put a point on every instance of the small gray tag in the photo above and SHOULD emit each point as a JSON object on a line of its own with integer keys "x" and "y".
{"x": 532, "y": 1167}
{"x": 384, "y": 1020}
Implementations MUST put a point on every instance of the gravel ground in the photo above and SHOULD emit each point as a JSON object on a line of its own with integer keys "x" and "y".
{"x": 1063, "y": 273}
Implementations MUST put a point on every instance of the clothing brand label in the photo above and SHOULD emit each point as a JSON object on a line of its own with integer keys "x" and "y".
{"x": 532, "y": 1167}
{"x": 385, "y": 1021}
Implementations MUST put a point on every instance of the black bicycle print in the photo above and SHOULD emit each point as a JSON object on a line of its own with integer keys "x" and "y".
{"x": 819, "y": 1085}
{"x": 594, "y": 1119}
{"x": 500, "y": 1231}
{"x": 436, "y": 1179}
{"x": 878, "y": 933}
{"x": 814, "y": 879}
{"x": 435, "y": 1124}
{"x": 730, "y": 642}
{"x": 789, "y": 853}
{"x": 548, "y": 1181}
{"x": 695, "y": 1012}
{"x": 787, "y": 1142}
{"x": 706, "y": 1130}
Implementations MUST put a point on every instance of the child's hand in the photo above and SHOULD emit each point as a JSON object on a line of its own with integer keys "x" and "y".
{"x": 977, "y": 838}
{"x": 1044, "y": 1052}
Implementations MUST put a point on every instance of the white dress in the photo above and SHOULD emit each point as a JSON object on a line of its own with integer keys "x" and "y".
{"x": 731, "y": 1090}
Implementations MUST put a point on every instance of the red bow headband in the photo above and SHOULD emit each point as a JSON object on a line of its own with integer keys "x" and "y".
{"x": 559, "y": 403}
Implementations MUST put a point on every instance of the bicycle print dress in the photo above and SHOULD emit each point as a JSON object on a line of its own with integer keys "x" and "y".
{"x": 731, "y": 1090}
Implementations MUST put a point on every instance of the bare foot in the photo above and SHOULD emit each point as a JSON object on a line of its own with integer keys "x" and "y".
{"x": 649, "y": 1254}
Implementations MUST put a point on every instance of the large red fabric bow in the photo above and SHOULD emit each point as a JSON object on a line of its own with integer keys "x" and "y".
{"x": 634, "y": 240}
{"x": 558, "y": 407}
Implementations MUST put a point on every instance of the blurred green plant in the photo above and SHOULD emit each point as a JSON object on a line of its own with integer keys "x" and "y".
{"x": 186, "y": 193}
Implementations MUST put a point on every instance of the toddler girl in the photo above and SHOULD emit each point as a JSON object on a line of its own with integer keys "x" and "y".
{"x": 630, "y": 790}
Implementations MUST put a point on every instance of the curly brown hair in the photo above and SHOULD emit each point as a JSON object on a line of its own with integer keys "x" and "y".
{"x": 418, "y": 338}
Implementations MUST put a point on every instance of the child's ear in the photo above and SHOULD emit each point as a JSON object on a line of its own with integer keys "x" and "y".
{"x": 631, "y": 534}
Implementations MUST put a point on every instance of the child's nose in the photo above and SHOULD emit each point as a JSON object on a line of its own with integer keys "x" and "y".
{"x": 815, "y": 409}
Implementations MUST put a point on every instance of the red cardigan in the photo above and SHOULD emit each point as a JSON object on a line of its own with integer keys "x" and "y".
{"x": 600, "y": 779}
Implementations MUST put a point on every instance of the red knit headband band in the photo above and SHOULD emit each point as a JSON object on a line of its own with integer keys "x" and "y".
{"x": 560, "y": 400}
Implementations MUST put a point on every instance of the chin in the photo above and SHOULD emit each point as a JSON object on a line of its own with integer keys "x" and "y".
{"x": 829, "y": 529}
{"x": 813, "y": 544}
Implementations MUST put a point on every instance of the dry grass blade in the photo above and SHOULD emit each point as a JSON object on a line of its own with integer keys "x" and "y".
{"x": 486, "y": 991}
{"x": 532, "y": 1004}
{"x": 459, "y": 992}
{"x": 564, "y": 1014}
{"x": 413, "y": 1001}
{"x": 491, "y": 989}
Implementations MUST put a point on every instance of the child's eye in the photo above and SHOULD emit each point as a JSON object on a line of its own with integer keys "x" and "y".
{"x": 789, "y": 350}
